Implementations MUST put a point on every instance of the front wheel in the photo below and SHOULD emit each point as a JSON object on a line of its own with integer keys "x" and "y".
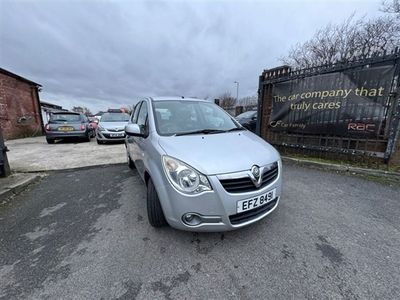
{"x": 50, "y": 141}
{"x": 155, "y": 213}
{"x": 131, "y": 164}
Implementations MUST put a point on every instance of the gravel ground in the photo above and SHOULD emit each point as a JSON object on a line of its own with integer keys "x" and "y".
{"x": 35, "y": 155}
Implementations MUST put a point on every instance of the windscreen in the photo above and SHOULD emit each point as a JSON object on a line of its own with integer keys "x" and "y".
{"x": 175, "y": 117}
{"x": 115, "y": 117}
{"x": 65, "y": 118}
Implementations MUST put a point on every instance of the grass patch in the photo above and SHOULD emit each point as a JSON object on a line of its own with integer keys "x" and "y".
{"x": 384, "y": 180}
{"x": 358, "y": 164}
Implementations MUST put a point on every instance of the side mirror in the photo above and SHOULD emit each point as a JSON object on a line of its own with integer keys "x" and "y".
{"x": 133, "y": 130}
{"x": 254, "y": 118}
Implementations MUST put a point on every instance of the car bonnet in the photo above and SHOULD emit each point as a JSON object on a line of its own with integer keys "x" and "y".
{"x": 112, "y": 125}
{"x": 222, "y": 153}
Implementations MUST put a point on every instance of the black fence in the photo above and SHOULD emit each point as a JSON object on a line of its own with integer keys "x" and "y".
{"x": 350, "y": 109}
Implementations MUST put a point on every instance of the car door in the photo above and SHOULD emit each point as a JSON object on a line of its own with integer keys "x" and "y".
{"x": 129, "y": 141}
{"x": 140, "y": 142}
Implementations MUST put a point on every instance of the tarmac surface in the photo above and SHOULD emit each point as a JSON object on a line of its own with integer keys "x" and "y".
{"x": 35, "y": 155}
{"x": 84, "y": 234}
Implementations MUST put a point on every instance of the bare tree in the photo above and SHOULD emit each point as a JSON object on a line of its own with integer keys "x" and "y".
{"x": 82, "y": 109}
{"x": 348, "y": 40}
{"x": 130, "y": 108}
{"x": 379, "y": 35}
{"x": 248, "y": 101}
{"x": 391, "y": 6}
{"x": 226, "y": 100}
{"x": 126, "y": 109}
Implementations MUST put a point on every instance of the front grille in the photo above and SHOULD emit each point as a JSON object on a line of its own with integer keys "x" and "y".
{"x": 116, "y": 130}
{"x": 244, "y": 184}
{"x": 252, "y": 214}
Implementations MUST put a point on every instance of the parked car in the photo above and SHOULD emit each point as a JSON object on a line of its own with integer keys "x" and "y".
{"x": 67, "y": 125}
{"x": 248, "y": 120}
{"x": 202, "y": 169}
{"x": 111, "y": 127}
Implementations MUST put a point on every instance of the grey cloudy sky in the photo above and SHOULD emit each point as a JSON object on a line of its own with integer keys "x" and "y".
{"x": 103, "y": 54}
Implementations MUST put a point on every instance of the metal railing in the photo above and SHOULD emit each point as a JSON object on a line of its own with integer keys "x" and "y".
{"x": 382, "y": 146}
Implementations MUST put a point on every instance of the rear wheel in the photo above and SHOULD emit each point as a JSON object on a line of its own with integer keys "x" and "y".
{"x": 50, "y": 141}
{"x": 155, "y": 213}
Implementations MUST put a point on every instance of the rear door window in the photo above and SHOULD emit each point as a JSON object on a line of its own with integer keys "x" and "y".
{"x": 65, "y": 118}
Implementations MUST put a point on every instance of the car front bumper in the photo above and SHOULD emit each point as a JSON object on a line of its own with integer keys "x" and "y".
{"x": 218, "y": 208}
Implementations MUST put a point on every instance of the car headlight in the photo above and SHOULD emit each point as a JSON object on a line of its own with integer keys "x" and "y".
{"x": 183, "y": 177}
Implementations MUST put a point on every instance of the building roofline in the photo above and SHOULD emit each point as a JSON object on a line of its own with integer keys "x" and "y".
{"x": 48, "y": 103}
{"x": 4, "y": 71}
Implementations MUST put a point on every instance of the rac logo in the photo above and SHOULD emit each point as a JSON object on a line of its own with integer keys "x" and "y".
{"x": 361, "y": 127}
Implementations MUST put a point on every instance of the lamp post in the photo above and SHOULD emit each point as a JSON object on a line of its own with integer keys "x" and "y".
{"x": 237, "y": 90}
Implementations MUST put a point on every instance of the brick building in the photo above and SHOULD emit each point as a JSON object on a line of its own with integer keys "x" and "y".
{"x": 20, "y": 114}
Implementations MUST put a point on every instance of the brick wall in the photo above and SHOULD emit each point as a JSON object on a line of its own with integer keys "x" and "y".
{"x": 19, "y": 108}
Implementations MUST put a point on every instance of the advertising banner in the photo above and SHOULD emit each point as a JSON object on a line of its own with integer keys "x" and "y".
{"x": 346, "y": 103}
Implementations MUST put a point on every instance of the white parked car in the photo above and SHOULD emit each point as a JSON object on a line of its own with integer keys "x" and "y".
{"x": 111, "y": 127}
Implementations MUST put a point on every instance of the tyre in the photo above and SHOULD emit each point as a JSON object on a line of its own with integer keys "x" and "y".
{"x": 50, "y": 141}
{"x": 99, "y": 142}
{"x": 155, "y": 213}
{"x": 131, "y": 164}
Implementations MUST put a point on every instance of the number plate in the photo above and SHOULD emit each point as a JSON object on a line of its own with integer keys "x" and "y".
{"x": 65, "y": 128}
{"x": 116, "y": 134}
{"x": 249, "y": 204}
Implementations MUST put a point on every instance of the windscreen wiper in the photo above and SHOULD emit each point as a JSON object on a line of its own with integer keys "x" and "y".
{"x": 236, "y": 129}
{"x": 202, "y": 131}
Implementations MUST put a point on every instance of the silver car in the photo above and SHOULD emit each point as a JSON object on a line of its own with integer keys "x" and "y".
{"x": 111, "y": 127}
{"x": 202, "y": 169}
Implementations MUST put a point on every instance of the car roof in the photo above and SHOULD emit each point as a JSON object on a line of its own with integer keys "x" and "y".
{"x": 65, "y": 113}
{"x": 176, "y": 98}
